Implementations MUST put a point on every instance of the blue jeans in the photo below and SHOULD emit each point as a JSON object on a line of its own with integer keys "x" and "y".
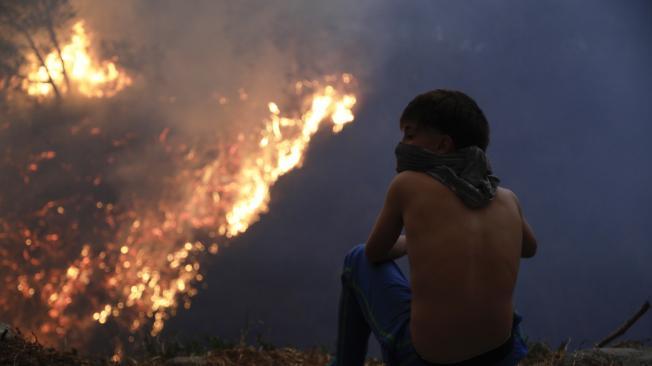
{"x": 376, "y": 298}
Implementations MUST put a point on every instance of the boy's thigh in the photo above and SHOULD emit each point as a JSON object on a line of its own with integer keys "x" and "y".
{"x": 383, "y": 293}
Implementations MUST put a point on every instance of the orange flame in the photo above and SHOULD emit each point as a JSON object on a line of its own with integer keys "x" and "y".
{"x": 91, "y": 77}
{"x": 282, "y": 146}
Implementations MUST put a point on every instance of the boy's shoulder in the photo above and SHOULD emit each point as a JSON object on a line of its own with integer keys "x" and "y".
{"x": 509, "y": 195}
{"x": 506, "y": 192}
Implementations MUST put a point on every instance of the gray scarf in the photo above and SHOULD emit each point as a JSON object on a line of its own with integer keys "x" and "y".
{"x": 465, "y": 171}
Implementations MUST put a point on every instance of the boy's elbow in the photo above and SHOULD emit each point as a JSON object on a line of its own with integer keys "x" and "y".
{"x": 372, "y": 256}
{"x": 529, "y": 250}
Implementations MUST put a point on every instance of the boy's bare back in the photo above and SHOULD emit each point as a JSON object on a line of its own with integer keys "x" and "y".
{"x": 463, "y": 265}
{"x": 464, "y": 235}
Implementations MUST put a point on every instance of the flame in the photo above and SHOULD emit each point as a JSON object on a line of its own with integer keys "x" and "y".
{"x": 90, "y": 77}
{"x": 144, "y": 261}
{"x": 282, "y": 145}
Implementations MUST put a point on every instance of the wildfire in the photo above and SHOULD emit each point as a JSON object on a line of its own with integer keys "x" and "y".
{"x": 142, "y": 260}
{"x": 90, "y": 77}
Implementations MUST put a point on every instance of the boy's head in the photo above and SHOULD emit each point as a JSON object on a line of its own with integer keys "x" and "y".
{"x": 443, "y": 121}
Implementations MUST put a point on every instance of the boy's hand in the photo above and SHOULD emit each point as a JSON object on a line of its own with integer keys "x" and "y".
{"x": 399, "y": 249}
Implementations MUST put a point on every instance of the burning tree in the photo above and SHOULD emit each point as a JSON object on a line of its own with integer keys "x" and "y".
{"x": 48, "y": 66}
{"x": 24, "y": 23}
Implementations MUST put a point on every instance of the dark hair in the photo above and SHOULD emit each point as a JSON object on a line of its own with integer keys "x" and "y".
{"x": 452, "y": 113}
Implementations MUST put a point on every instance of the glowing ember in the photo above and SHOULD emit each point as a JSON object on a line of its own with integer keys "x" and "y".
{"x": 90, "y": 77}
{"x": 140, "y": 261}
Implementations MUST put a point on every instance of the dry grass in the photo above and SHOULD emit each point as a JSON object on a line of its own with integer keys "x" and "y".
{"x": 540, "y": 354}
{"x": 27, "y": 351}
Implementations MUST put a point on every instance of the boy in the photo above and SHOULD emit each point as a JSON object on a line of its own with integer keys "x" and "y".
{"x": 464, "y": 237}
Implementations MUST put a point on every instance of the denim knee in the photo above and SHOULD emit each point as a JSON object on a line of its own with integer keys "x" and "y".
{"x": 354, "y": 255}
{"x": 352, "y": 260}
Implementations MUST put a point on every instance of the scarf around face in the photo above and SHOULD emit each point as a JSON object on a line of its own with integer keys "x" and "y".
{"x": 466, "y": 171}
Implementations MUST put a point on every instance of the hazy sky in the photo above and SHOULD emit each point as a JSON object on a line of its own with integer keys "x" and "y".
{"x": 567, "y": 89}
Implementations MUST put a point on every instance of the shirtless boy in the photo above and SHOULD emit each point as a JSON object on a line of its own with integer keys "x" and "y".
{"x": 464, "y": 237}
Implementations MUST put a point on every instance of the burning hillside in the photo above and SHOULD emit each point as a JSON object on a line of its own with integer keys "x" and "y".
{"x": 83, "y": 247}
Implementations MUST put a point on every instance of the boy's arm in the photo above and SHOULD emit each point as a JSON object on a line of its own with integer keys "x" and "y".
{"x": 529, "y": 246}
{"x": 384, "y": 242}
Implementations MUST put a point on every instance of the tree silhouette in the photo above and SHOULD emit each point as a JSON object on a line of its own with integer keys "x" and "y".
{"x": 22, "y": 24}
